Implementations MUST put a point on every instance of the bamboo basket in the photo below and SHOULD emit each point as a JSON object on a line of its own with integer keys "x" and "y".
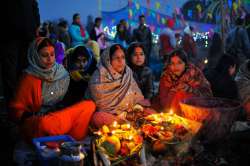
{"x": 216, "y": 114}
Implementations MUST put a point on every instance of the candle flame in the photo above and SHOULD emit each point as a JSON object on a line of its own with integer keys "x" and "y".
{"x": 115, "y": 123}
{"x": 171, "y": 112}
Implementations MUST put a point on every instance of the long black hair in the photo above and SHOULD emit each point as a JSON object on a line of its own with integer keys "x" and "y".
{"x": 130, "y": 52}
{"x": 113, "y": 48}
{"x": 43, "y": 42}
{"x": 180, "y": 53}
{"x": 75, "y": 16}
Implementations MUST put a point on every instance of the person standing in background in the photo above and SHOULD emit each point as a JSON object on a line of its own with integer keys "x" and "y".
{"x": 120, "y": 36}
{"x": 143, "y": 35}
{"x": 127, "y": 30}
{"x": 90, "y": 23}
{"x": 78, "y": 34}
{"x": 167, "y": 40}
{"x": 188, "y": 44}
{"x": 63, "y": 34}
{"x": 98, "y": 35}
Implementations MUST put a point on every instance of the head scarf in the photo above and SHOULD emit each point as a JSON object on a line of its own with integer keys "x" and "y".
{"x": 113, "y": 92}
{"x": 76, "y": 72}
{"x": 35, "y": 66}
{"x": 191, "y": 81}
{"x": 93, "y": 45}
{"x": 55, "y": 80}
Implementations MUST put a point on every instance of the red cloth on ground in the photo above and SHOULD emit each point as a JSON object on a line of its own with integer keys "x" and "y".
{"x": 72, "y": 120}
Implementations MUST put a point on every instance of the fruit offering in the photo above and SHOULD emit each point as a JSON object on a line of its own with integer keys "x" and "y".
{"x": 166, "y": 127}
{"x": 118, "y": 140}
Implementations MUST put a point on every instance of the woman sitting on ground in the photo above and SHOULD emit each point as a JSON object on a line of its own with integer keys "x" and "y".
{"x": 38, "y": 105}
{"x": 181, "y": 80}
{"x": 113, "y": 87}
{"x": 142, "y": 74}
{"x": 222, "y": 78}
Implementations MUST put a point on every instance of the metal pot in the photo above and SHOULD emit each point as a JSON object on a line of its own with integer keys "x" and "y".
{"x": 71, "y": 154}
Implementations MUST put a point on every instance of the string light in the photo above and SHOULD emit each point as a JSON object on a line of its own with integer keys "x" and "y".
{"x": 206, "y": 61}
{"x": 110, "y": 32}
{"x": 203, "y": 36}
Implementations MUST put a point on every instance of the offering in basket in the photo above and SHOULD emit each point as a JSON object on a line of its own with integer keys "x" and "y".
{"x": 118, "y": 141}
{"x": 168, "y": 131}
{"x": 166, "y": 127}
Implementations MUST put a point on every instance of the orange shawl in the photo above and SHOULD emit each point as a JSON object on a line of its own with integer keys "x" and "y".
{"x": 28, "y": 97}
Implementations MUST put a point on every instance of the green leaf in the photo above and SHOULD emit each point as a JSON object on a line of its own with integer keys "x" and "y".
{"x": 110, "y": 148}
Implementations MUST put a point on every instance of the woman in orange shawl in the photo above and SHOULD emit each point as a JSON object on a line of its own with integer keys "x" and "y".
{"x": 38, "y": 103}
{"x": 181, "y": 80}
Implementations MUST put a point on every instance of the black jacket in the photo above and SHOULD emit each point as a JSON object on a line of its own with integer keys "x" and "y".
{"x": 144, "y": 78}
{"x": 222, "y": 85}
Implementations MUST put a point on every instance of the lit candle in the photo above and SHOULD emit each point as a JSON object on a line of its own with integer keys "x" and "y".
{"x": 125, "y": 126}
{"x": 99, "y": 133}
{"x": 130, "y": 137}
{"x": 115, "y": 124}
{"x": 171, "y": 112}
